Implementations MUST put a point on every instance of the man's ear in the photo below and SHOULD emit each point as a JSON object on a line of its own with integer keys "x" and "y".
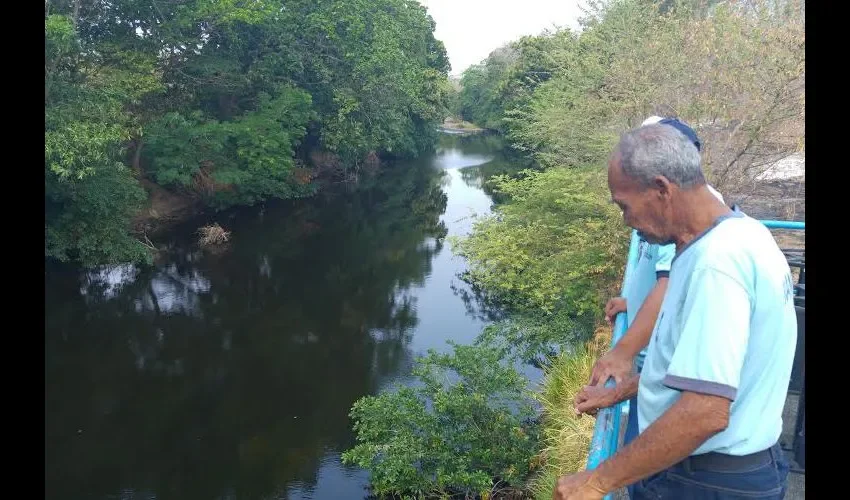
{"x": 663, "y": 185}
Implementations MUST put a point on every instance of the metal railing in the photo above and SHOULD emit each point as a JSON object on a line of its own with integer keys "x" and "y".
{"x": 606, "y": 433}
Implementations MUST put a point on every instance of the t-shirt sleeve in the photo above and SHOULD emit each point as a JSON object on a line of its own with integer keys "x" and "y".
{"x": 665, "y": 260}
{"x": 715, "y": 330}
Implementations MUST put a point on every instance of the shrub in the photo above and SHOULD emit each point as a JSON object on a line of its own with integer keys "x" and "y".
{"x": 465, "y": 428}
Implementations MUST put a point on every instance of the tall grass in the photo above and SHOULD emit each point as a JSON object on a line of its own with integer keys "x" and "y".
{"x": 566, "y": 436}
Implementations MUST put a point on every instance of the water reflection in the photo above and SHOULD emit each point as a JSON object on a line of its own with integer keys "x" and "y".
{"x": 495, "y": 160}
{"x": 231, "y": 374}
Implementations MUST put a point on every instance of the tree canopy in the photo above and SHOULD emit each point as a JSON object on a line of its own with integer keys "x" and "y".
{"x": 223, "y": 101}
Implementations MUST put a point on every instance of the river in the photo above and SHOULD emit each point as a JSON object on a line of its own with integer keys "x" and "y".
{"x": 230, "y": 373}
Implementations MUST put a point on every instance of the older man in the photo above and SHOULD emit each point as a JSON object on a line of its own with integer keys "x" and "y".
{"x": 641, "y": 303}
{"x": 725, "y": 334}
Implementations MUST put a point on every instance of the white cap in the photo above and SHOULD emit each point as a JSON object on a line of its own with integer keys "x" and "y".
{"x": 652, "y": 119}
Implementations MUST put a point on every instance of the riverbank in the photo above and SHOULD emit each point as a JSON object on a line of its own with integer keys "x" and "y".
{"x": 163, "y": 210}
{"x": 455, "y": 126}
{"x": 166, "y": 208}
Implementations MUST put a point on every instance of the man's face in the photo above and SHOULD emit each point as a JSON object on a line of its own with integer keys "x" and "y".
{"x": 645, "y": 208}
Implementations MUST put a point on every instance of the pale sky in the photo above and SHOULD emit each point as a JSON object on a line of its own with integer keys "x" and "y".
{"x": 471, "y": 29}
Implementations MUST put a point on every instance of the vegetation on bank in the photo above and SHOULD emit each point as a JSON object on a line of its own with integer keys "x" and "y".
{"x": 466, "y": 428}
{"x": 223, "y": 102}
{"x": 565, "y": 436}
{"x": 555, "y": 249}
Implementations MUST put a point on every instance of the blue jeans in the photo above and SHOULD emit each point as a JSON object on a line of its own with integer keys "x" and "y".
{"x": 766, "y": 481}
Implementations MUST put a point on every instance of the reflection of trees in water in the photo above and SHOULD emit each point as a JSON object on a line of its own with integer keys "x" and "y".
{"x": 473, "y": 144}
{"x": 477, "y": 304}
{"x": 479, "y": 175}
{"x": 235, "y": 373}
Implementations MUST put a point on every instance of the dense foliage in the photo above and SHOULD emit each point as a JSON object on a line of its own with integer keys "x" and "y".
{"x": 465, "y": 428}
{"x": 554, "y": 247}
{"x": 223, "y": 101}
{"x": 733, "y": 71}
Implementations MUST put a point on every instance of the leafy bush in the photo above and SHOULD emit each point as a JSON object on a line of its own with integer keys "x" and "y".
{"x": 535, "y": 338}
{"x": 558, "y": 245}
{"x": 465, "y": 428}
{"x": 237, "y": 162}
{"x": 87, "y": 220}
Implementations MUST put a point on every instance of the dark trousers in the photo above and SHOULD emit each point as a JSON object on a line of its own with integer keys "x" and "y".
{"x": 718, "y": 479}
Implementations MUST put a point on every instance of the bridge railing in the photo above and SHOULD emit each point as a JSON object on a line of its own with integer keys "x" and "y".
{"x": 606, "y": 433}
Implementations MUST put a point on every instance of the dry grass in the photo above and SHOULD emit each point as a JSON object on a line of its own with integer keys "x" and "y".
{"x": 213, "y": 235}
{"x": 566, "y": 436}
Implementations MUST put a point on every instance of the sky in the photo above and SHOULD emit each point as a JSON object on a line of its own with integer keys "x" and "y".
{"x": 471, "y": 29}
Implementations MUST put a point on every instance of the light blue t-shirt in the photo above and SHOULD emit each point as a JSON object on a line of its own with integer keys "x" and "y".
{"x": 727, "y": 327}
{"x": 653, "y": 263}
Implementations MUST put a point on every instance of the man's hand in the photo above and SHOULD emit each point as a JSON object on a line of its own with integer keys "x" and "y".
{"x": 612, "y": 364}
{"x": 592, "y": 397}
{"x": 613, "y": 307}
{"x": 579, "y": 486}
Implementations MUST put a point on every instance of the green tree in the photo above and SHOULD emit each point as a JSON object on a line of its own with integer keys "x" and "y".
{"x": 224, "y": 101}
{"x": 464, "y": 429}
{"x": 90, "y": 195}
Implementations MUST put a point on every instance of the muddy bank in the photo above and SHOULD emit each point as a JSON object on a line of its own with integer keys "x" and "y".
{"x": 166, "y": 207}
{"x": 163, "y": 210}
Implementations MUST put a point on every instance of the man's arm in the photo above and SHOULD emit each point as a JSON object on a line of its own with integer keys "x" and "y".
{"x": 638, "y": 335}
{"x": 640, "y": 331}
{"x": 705, "y": 366}
{"x": 691, "y": 421}
{"x": 618, "y": 361}
{"x": 593, "y": 397}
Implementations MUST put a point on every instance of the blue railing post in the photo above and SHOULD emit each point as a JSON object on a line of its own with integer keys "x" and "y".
{"x": 784, "y": 224}
{"x": 606, "y": 432}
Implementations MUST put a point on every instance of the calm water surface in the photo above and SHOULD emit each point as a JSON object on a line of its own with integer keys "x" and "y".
{"x": 231, "y": 374}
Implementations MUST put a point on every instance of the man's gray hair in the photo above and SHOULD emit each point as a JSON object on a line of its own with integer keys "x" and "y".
{"x": 657, "y": 149}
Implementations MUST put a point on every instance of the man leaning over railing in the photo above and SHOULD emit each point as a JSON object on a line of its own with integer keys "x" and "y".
{"x": 641, "y": 302}
{"x": 726, "y": 332}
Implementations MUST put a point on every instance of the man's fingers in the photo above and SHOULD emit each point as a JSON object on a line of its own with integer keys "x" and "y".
{"x": 596, "y": 373}
{"x": 587, "y": 407}
{"x": 600, "y": 376}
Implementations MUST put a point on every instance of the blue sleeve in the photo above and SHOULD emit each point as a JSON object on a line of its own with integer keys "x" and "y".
{"x": 664, "y": 260}
{"x": 714, "y": 325}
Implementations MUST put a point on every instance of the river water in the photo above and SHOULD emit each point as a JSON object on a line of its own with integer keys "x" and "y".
{"x": 230, "y": 374}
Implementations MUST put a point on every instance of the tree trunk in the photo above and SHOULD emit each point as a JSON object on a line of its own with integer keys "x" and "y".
{"x": 137, "y": 156}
